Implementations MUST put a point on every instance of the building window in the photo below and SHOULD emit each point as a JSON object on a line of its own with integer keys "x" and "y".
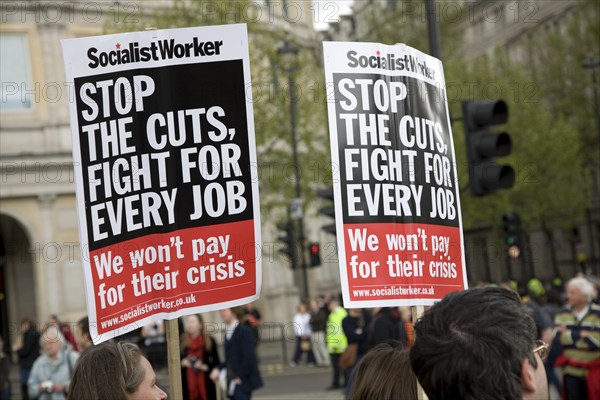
{"x": 16, "y": 73}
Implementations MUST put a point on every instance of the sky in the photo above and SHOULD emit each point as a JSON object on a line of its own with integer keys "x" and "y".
{"x": 327, "y": 11}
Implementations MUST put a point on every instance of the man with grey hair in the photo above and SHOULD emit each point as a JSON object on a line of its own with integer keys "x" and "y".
{"x": 52, "y": 371}
{"x": 578, "y": 330}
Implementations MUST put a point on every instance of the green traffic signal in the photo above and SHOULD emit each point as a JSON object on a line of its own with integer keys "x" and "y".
{"x": 511, "y": 223}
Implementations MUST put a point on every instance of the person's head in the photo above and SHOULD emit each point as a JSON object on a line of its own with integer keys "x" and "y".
{"x": 405, "y": 313}
{"x": 127, "y": 376}
{"x": 52, "y": 341}
{"x": 478, "y": 344}
{"x": 333, "y": 304}
{"x": 301, "y": 308}
{"x": 26, "y": 324}
{"x": 82, "y": 334}
{"x": 355, "y": 312}
{"x": 194, "y": 324}
{"x": 384, "y": 373}
{"x": 230, "y": 315}
{"x": 580, "y": 292}
{"x": 314, "y": 305}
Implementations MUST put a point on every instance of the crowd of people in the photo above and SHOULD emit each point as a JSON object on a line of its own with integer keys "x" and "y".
{"x": 489, "y": 342}
{"x": 513, "y": 341}
{"x": 331, "y": 336}
{"x": 57, "y": 363}
{"x": 47, "y": 356}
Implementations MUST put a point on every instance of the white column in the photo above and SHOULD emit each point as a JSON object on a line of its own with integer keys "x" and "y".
{"x": 49, "y": 285}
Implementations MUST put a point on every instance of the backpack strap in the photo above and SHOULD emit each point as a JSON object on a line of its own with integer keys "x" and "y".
{"x": 69, "y": 364}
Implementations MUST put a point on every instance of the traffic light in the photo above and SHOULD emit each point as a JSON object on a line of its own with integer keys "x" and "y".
{"x": 287, "y": 238}
{"x": 315, "y": 254}
{"x": 513, "y": 234}
{"x": 484, "y": 144}
{"x": 329, "y": 211}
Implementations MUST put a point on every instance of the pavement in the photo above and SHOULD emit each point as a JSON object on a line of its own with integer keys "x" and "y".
{"x": 298, "y": 383}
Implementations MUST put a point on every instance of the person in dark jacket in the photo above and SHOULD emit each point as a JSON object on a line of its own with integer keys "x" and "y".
{"x": 318, "y": 325}
{"x": 355, "y": 328}
{"x": 384, "y": 329}
{"x": 4, "y": 373}
{"x": 241, "y": 366}
{"x": 27, "y": 350}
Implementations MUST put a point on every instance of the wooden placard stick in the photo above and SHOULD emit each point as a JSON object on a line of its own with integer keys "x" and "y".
{"x": 417, "y": 312}
{"x": 174, "y": 359}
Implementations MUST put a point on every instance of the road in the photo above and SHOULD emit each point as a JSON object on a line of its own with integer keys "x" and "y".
{"x": 298, "y": 383}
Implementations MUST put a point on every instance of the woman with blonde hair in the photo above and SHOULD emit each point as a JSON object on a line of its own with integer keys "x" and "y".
{"x": 115, "y": 371}
{"x": 384, "y": 373}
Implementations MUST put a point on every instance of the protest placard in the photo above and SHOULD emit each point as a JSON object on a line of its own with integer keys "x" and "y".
{"x": 398, "y": 218}
{"x": 165, "y": 168}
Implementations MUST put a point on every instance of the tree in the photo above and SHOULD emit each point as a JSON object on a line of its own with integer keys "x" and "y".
{"x": 555, "y": 65}
{"x": 405, "y": 21}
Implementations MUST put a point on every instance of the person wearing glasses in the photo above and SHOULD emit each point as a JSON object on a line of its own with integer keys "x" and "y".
{"x": 116, "y": 371}
{"x": 578, "y": 331}
{"x": 479, "y": 344}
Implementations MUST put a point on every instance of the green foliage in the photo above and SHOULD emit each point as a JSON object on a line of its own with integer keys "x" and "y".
{"x": 555, "y": 64}
{"x": 546, "y": 155}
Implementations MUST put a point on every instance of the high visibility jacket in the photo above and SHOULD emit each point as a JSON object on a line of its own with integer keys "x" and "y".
{"x": 336, "y": 340}
{"x": 577, "y": 348}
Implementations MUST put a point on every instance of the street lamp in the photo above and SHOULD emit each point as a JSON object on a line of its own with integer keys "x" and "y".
{"x": 287, "y": 56}
{"x": 592, "y": 65}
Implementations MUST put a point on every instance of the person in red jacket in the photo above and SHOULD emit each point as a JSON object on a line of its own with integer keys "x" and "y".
{"x": 200, "y": 357}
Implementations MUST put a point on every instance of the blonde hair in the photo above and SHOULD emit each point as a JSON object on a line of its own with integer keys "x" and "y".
{"x": 384, "y": 373}
{"x": 107, "y": 371}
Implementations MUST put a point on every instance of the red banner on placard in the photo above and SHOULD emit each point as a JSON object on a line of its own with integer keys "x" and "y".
{"x": 192, "y": 267}
{"x": 402, "y": 261}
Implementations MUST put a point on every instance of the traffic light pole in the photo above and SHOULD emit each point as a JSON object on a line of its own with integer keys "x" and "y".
{"x": 300, "y": 238}
{"x": 433, "y": 30}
